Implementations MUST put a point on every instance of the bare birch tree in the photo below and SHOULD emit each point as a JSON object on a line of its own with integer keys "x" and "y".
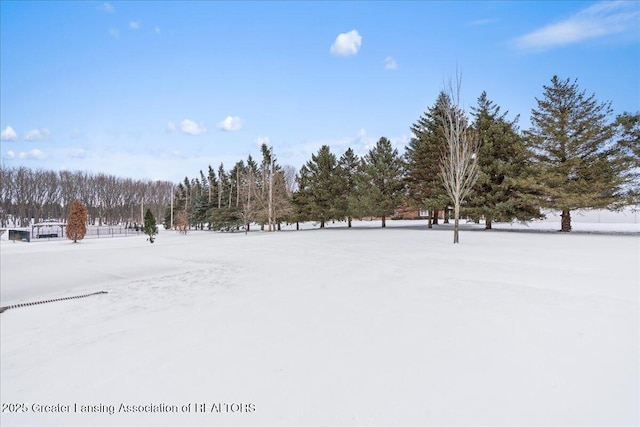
{"x": 459, "y": 160}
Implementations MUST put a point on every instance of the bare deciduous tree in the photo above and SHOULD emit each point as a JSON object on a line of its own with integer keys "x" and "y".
{"x": 34, "y": 195}
{"x": 181, "y": 222}
{"x": 459, "y": 160}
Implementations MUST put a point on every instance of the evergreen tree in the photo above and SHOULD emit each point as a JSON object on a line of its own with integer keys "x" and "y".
{"x": 229, "y": 216}
{"x": 150, "y": 226}
{"x": 571, "y": 141}
{"x": 223, "y": 185}
{"x": 500, "y": 193}
{"x": 301, "y": 198}
{"x": 628, "y": 139}
{"x": 200, "y": 201}
{"x": 381, "y": 180}
{"x": 422, "y": 158}
{"x": 77, "y": 221}
{"x": 212, "y": 187}
{"x": 348, "y": 202}
{"x": 319, "y": 183}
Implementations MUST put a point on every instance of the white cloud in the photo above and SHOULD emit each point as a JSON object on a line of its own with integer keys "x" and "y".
{"x": 34, "y": 154}
{"x": 107, "y": 7}
{"x": 10, "y": 154}
{"x": 390, "y": 63}
{"x": 192, "y": 128}
{"x": 37, "y": 134}
{"x": 134, "y": 25}
{"x": 600, "y": 20}
{"x": 8, "y": 134}
{"x": 231, "y": 123}
{"x": 363, "y": 142}
{"x": 171, "y": 127}
{"x": 261, "y": 140}
{"x": 346, "y": 44}
{"x": 114, "y": 32}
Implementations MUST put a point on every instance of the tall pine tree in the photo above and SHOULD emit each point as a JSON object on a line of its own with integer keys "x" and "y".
{"x": 381, "y": 180}
{"x": 348, "y": 203}
{"x": 318, "y": 185}
{"x": 628, "y": 139}
{"x": 422, "y": 158}
{"x": 500, "y": 193}
{"x": 571, "y": 142}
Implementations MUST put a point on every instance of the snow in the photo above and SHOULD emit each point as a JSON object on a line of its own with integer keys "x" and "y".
{"x": 362, "y": 326}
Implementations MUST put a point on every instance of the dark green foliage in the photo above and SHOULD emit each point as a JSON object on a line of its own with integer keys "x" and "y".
{"x": 225, "y": 219}
{"x": 348, "y": 204}
{"x": 628, "y": 139}
{"x": 422, "y": 158}
{"x": 319, "y": 184}
{"x": 501, "y": 192}
{"x": 380, "y": 180}
{"x": 301, "y": 199}
{"x": 574, "y": 154}
{"x": 150, "y": 226}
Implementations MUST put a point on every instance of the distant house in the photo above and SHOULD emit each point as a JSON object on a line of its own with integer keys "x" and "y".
{"x": 405, "y": 212}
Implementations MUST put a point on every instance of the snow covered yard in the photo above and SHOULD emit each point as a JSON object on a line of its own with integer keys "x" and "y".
{"x": 364, "y": 326}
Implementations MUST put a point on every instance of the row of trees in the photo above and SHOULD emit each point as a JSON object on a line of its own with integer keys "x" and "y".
{"x": 479, "y": 165}
{"x": 250, "y": 192}
{"x": 27, "y": 194}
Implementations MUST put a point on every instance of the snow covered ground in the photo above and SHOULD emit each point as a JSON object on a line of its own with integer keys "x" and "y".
{"x": 362, "y": 326}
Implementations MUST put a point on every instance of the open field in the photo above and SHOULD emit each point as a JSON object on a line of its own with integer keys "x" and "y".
{"x": 364, "y": 326}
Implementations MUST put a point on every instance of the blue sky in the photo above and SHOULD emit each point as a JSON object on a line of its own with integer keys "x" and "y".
{"x": 161, "y": 90}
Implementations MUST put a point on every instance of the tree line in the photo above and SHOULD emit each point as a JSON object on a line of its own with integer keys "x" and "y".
{"x": 27, "y": 194}
{"x": 250, "y": 192}
{"x": 479, "y": 165}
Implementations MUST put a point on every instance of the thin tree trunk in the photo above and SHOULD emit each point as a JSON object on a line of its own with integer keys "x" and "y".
{"x": 456, "y": 231}
{"x": 349, "y": 221}
{"x": 456, "y": 224}
{"x": 219, "y": 190}
{"x": 487, "y": 223}
{"x": 435, "y": 216}
{"x": 429, "y": 220}
{"x": 446, "y": 215}
{"x": 237, "y": 189}
{"x": 566, "y": 221}
{"x": 271, "y": 219}
{"x": 384, "y": 221}
{"x": 322, "y": 223}
{"x": 297, "y": 225}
